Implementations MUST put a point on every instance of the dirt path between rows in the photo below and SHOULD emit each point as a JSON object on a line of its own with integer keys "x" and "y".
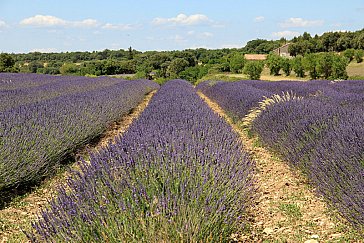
{"x": 23, "y": 210}
{"x": 287, "y": 209}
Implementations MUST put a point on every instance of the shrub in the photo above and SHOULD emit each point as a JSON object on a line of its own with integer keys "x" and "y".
{"x": 253, "y": 69}
{"x": 297, "y": 66}
{"x": 359, "y": 55}
{"x": 274, "y": 63}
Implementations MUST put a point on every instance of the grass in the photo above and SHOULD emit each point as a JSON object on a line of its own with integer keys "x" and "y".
{"x": 221, "y": 77}
{"x": 266, "y": 76}
{"x": 291, "y": 210}
{"x": 355, "y": 70}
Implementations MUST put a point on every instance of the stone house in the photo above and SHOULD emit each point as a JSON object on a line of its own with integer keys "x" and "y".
{"x": 283, "y": 50}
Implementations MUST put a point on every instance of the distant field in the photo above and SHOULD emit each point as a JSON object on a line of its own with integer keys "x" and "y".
{"x": 356, "y": 70}
{"x": 268, "y": 77}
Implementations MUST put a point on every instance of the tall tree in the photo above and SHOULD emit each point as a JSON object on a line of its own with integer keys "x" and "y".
{"x": 130, "y": 53}
{"x": 237, "y": 62}
{"x": 6, "y": 63}
{"x": 274, "y": 63}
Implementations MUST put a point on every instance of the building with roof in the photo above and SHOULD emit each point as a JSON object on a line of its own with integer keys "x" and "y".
{"x": 283, "y": 50}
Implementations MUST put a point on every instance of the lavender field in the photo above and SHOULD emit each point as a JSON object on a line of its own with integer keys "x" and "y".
{"x": 45, "y": 118}
{"x": 179, "y": 174}
{"x": 320, "y": 131}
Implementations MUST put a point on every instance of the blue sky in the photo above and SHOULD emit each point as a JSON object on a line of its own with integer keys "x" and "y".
{"x": 80, "y": 25}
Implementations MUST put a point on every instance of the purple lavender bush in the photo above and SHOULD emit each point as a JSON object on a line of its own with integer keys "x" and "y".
{"x": 179, "y": 174}
{"x": 36, "y": 137}
{"x": 21, "y": 89}
{"x": 322, "y": 134}
{"x": 326, "y": 141}
{"x": 237, "y": 98}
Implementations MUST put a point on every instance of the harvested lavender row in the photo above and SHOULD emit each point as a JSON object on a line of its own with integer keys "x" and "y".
{"x": 35, "y": 137}
{"x": 178, "y": 174}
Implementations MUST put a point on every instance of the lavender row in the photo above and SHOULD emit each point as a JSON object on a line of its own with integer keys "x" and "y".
{"x": 322, "y": 134}
{"x": 237, "y": 98}
{"x": 34, "y": 138}
{"x": 22, "y": 89}
{"x": 179, "y": 174}
{"x": 326, "y": 141}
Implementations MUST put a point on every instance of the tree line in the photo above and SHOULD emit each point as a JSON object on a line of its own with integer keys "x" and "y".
{"x": 315, "y": 56}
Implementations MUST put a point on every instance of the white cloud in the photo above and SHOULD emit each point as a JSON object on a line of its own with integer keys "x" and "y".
{"x": 43, "y": 20}
{"x": 84, "y": 23}
{"x": 286, "y": 34}
{"x": 52, "y": 21}
{"x": 119, "y": 26}
{"x": 200, "y": 35}
{"x": 230, "y": 46}
{"x": 44, "y": 50}
{"x": 259, "y": 19}
{"x": 206, "y": 35}
{"x": 299, "y": 22}
{"x": 179, "y": 39}
{"x": 3, "y": 24}
{"x": 200, "y": 46}
{"x": 182, "y": 19}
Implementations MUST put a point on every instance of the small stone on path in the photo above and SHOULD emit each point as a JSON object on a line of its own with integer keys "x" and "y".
{"x": 268, "y": 231}
{"x": 311, "y": 241}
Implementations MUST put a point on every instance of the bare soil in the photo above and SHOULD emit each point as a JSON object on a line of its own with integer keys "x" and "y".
{"x": 23, "y": 210}
{"x": 287, "y": 209}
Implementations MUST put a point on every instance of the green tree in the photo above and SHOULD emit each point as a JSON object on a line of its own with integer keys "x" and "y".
{"x": 130, "y": 53}
{"x": 339, "y": 66}
{"x": 34, "y": 66}
{"x": 69, "y": 69}
{"x": 110, "y": 67}
{"x": 310, "y": 64}
{"x": 192, "y": 74}
{"x": 253, "y": 69}
{"x": 349, "y": 54}
{"x": 286, "y": 66}
{"x": 188, "y": 56}
{"x": 274, "y": 63}
{"x": 324, "y": 64}
{"x": 237, "y": 62}
{"x": 329, "y": 41}
{"x": 158, "y": 59}
{"x": 143, "y": 70}
{"x": 127, "y": 67}
{"x": 51, "y": 70}
{"x": 358, "y": 41}
{"x": 297, "y": 66}
{"x": 359, "y": 56}
{"x": 176, "y": 66}
{"x": 6, "y": 63}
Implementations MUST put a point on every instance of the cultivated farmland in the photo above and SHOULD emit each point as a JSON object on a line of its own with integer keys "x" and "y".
{"x": 44, "y": 119}
{"x": 317, "y": 126}
{"x": 180, "y": 172}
